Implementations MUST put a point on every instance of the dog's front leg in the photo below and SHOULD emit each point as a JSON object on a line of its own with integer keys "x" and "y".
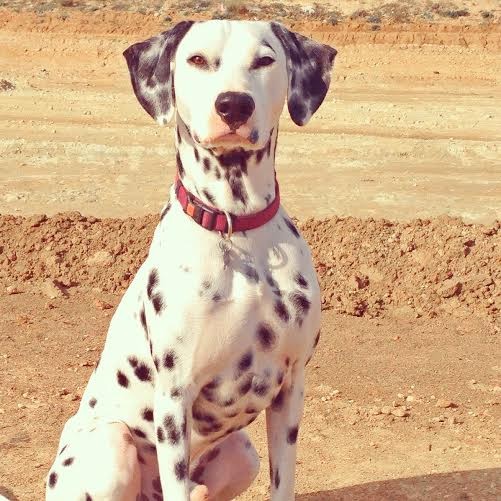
{"x": 172, "y": 404}
{"x": 282, "y": 423}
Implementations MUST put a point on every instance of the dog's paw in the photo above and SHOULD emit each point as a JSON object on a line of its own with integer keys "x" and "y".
{"x": 199, "y": 493}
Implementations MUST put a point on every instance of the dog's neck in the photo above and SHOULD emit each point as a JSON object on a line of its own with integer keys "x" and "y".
{"x": 235, "y": 181}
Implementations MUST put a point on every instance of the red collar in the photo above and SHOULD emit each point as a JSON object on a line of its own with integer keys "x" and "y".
{"x": 214, "y": 219}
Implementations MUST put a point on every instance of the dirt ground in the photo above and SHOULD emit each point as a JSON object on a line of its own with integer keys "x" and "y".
{"x": 404, "y": 393}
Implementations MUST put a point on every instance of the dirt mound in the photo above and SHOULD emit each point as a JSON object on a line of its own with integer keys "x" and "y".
{"x": 366, "y": 267}
{"x": 422, "y": 267}
{"x": 350, "y": 30}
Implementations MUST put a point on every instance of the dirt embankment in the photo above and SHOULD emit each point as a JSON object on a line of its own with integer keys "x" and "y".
{"x": 349, "y": 31}
{"x": 367, "y": 268}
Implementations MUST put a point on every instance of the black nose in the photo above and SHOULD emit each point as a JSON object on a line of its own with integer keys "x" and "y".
{"x": 234, "y": 108}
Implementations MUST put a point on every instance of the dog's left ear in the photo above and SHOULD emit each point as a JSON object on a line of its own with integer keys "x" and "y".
{"x": 149, "y": 65}
{"x": 309, "y": 66}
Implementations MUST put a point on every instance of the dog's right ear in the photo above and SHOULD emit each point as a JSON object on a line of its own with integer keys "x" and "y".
{"x": 149, "y": 65}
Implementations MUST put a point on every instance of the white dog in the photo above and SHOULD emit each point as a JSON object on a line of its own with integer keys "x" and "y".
{"x": 224, "y": 314}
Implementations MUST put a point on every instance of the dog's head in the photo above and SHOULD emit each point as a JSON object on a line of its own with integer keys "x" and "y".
{"x": 228, "y": 80}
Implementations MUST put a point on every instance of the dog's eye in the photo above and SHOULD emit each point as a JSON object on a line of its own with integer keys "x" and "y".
{"x": 198, "y": 60}
{"x": 261, "y": 62}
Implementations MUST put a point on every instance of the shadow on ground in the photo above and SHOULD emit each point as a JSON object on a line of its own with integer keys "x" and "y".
{"x": 469, "y": 485}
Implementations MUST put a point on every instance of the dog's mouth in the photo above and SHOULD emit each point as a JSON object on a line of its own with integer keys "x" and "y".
{"x": 231, "y": 139}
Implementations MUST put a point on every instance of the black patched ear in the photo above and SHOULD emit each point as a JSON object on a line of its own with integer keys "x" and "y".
{"x": 309, "y": 66}
{"x": 149, "y": 65}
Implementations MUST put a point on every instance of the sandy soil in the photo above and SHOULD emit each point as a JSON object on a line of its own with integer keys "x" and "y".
{"x": 403, "y": 396}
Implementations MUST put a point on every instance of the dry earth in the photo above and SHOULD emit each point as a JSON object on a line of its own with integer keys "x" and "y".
{"x": 403, "y": 400}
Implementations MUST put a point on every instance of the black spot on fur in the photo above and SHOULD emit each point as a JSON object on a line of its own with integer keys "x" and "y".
{"x": 164, "y": 211}
{"x": 291, "y": 227}
{"x": 184, "y": 426}
{"x": 143, "y": 372}
{"x": 142, "y": 316}
{"x": 92, "y": 402}
{"x": 282, "y": 311}
{"x": 148, "y": 414}
{"x": 251, "y": 273}
{"x": 238, "y": 191}
{"x": 132, "y": 361}
{"x": 180, "y": 168}
{"x": 68, "y": 462}
{"x": 300, "y": 280}
{"x": 266, "y": 337}
{"x": 245, "y": 362}
{"x": 208, "y": 196}
{"x": 206, "y": 163}
{"x": 292, "y": 435}
{"x": 152, "y": 282}
{"x": 301, "y": 304}
{"x": 213, "y": 454}
{"x": 52, "y": 479}
{"x": 173, "y": 433}
{"x": 170, "y": 360}
{"x": 175, "y": 392}
{"x": 180, "y": 469}
{"x": 297, "y": 108}
{"x": 235, "y": 158}
{"x": 260, "y": 386}
{"x": 122, "y": 379}
{"x": 273, "y": 284}
{"x": 277, "y": 478}
{"x": 259, "y": 155}
{"x": 157, "y": 486}
{"x": 203, "y": 416}
{"x": 197, "y": 474}
{"x": 160, "y": 435}
{"x": 138, "y": 432}
{"x": 278, "y": 402}
{"x": 197, "y": 155}
{"x": 245, "y": 386}
{"x": 88, "y": 497}
{"x": 212, "y": 385}
{"x": 158, "y": 302}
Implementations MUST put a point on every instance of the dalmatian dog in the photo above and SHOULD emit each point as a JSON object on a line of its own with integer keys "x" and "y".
{"x": 224, "y": 314}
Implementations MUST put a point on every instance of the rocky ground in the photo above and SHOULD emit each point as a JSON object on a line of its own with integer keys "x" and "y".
{"x": 403, "y": 396}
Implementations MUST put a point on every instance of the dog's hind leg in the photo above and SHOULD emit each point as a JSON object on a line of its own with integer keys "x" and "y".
{"x": 227, "y": 469}
{"x": 96, "y": 464}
